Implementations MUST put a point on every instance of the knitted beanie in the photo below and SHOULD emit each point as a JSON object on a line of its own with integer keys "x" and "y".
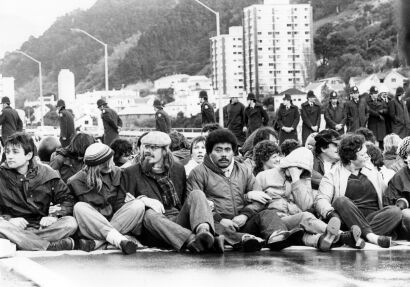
{"x": 97, "y": 153}
{"x": 402, "y": 148}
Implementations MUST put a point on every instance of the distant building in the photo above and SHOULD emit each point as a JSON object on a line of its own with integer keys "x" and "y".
{"x": 168, "y": 81}
{"x": 140, "y": 113}
{"x": 333, "y": 84}
{"x": 387, "y": 81}
{"x": 66, "y": 86}
{"x": 7, "y": 89}
{"x": 278, "y": 46}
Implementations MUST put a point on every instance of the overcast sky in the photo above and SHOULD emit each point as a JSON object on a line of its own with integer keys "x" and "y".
{"x": 21, "y": 18}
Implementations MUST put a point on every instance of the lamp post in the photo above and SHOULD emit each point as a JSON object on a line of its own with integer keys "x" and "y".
{"x": 105, "y": 53}
{"x": 218, "y": 33}
{"x": 40, "y": 84}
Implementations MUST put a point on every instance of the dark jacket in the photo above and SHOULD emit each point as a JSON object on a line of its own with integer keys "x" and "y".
{"x": 310, "y": 117}
{"x": 255, "y": 118}
{"x": 67, "y": 129}
{"x": 65, "y": 164}
{"x": 377, "y": 111}
{"x": 10, "y": 122}
{"x": 30, "y": 196}
{"x": 335, "y": 116}
{"x": 135, "y": 182}
{"x": 357, "y": 115}
{"x": 104, "y": 200}
{"x": 399, "y": 116}
{"x": 207, "y": 113}
{"x": 288, "y": 118}
{"x": 399, "y": 187}
{"x": 162, "y": 121}
{"x": 112, "y": 122}
{"x": 236, "y": 120}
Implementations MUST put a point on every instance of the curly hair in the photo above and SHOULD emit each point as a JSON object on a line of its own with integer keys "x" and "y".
{"x": 121, "y": 148}
{"x": 210, "y": 127}
{"x": 367, "y": 134}
{"x": 263, "y": 134}
{"x": 375, "y": 155}
{"x": 349, "y": 146}
{"x": 261, "y": 154}
{"x": 288, "y": 146}
{"x": 220, "y": 136}
{"x": 178, "y": 141}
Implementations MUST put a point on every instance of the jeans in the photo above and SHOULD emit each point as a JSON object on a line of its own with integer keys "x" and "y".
{"x": 307, "y": 221}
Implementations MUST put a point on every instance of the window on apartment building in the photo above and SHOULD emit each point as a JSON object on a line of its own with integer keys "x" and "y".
{"x": 393, "y": 80}
{"x": 234, "y": 53}
{"x": 270, "y": 72}
{"x": 289, "y": 48}
{"x": 305, "y": 17}
{"x": 307, "y": 32}
{"x": 307, "y": 40}
{"x": 270, "y": 64}
{"x": 260, "y": 64}
{"x": 277, "y": 48}
{"x": 260, "y": 41}
{"x": 306, "y": 25}
{"x": 289, "y": 33}
{"x": 259, "y": 33}
{"x": 270, "y": 33}
{"x": 289, "y": 25}
{"x": 277, "y": 33}
{"x": 259, "y": 49}
{"x": 240, "y": 87}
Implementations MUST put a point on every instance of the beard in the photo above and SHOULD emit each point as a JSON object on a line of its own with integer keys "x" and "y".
{"x": 146, "y": 165}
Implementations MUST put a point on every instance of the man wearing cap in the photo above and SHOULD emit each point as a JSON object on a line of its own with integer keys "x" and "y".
{"x": 400, "y": 120}
{"x": 235, "y": 112}
{"x": 255, "y": 115}
{"x": 173, "y": 217}
{"x": 288, "y": 118}
{"x": 207, "y": 111}
{"x": 9, "y": 120}
{"x": 66, "y": 119}
{"x": 335, "y": 116}
{"x": 357, "y": 112}
{"x": 377, "y": 111}
{"x": 111, "y": 121}
{"x": 162, "y": 120}
{"x": 311, "y": 114}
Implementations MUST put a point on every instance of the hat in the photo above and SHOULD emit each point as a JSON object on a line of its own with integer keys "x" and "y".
{"x": 60, "y": 103}
{"x": 354, "y": 90}
{"x": 101, "y": 102}
{"x": 402, "y": 148}
{"x": 311, "y": 94}
{"x": 333, "y": 95}
{"x": 251, "y": 96}
{"x": 97, "y": 153}
{"x": 5, "y": 100}
{"x": 156, "y": 138}
{"x": 300, "y": 157}
{"x": 327, "y": 136}
{"x": 287, "y": 97}
{"x": 203, "y": 94}
{"x": 399, "y": 91}
{"x": 373, "y": 90}
{"x": 157, "y": 103}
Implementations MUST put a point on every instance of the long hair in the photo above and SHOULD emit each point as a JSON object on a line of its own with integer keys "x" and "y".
{"x": 94, "y": 178}
{"x": 78, "y": 144}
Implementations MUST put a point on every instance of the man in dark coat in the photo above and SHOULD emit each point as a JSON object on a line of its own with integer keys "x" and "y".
{"x": 66, "y": 119}
{"x": 162, "y": 119}
{"x": 399, "y": 114}
{"x": 386, "y": 99}
{"x": 377, "y": 110}
{"x": 335, "y": 116}
{"x": 9, "y": 120}
{"x": 207, "y": 111}
{"x": 255, "y": 115}
{"x": 357, "y": 112}
{"x": 236, "y": 119}
{"x": 111, "y": 121}
{"x": 288, "y": 118}
{"x": 310, "y": 116}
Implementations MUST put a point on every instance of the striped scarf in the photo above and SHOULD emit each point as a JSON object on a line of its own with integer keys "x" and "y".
{"x": 167, "y": 189}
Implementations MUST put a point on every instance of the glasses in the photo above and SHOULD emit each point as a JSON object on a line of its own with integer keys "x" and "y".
{"x": 152, "y": 147}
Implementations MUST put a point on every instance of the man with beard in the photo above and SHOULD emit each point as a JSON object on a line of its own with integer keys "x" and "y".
{"x": 335, "y": 116}
{"x": 236, "y": 118}
{"x": 377, "y": 111}
{"x": 173, "y": 217}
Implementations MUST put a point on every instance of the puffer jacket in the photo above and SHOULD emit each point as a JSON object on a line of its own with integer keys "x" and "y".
{"x": 227, "y": 194}
{"x": 289, "y": 198}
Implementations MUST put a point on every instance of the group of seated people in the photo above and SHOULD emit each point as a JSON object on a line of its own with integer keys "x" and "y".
{"x": 208, "y": 194}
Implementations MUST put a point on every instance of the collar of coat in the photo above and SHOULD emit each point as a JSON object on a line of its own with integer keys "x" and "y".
{"x": 212, "y": 166}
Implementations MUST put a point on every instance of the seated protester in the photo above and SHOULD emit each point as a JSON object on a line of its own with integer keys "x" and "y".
{"x": 354, "y": 192}
{"x": 367, "y": 134}
{"x": 391, "y": 144}
{"x": 288, "y": 146}
{"x": 291, "y": 196}
{"x": 137, "y": 156}
{"x": 122, "y": 151}
{"x": 325, "y": 154}
{"x": 179, "y": 147}
{"x": 310, "y": 142}
{"x": 69, "y": 160}
{"x": 47, "y": 147}
{"x": 266, "y": 156}
{"x": 228, "y": 184}
{"x": 208, "y": 128}
{"x": 402, "y": 155}
{"x": 96, "y": 187}
{"x": 266, "y": 133}
{"x": 376, "y": 162}
{"x": 197, "y": 154}
{"x": 27, "y": 189}
{"x": 172, "y": 217}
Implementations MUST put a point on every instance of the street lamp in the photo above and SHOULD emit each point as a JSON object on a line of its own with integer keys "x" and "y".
{"x": 218, "y": 33}
{"x": 105, "y": 53}
{"x": 40, "y": 83}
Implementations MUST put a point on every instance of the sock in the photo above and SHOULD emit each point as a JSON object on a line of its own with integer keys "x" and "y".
{"x": 311, "y": 239}
{"x": 115, "y": 238}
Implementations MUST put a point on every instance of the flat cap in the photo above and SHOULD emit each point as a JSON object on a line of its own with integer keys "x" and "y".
{"x": 156, "y": 138}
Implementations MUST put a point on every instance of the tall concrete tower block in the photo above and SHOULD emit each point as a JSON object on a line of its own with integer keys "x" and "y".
{"x": 66, "y": 86}
{"x": 7, "y": 89}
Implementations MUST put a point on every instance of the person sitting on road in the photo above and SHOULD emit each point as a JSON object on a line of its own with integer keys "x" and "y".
{"x": 208, "y": 128}
{"x": 266, "y": 155}
{"x": 288, "y": 146}
{"x": 122, "y": 151}
{"x": 391, "y": 145}
{"x": 179, "y": 147}
{"x": 197, "y": 154}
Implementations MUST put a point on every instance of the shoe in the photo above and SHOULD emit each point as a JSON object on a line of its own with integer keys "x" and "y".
{"x": 86, "y": 245}
{"x": 200, "y": 242}
{"x": 219, "y": 244}
{"x": 331, "y": 235}
{"x": 251, "y": 243}
{"x": 62, "y": 244}
{"x": 128, "y": 247}
{"x": 283, "y": 239}
{"x": 384, "y": 241}
{"x": 351, "y": 238}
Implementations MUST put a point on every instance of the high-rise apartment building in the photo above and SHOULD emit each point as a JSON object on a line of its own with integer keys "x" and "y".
{"x": 227, "y": 63}
{"x": 7, "y": 89}
{"x": 278, "y": 46}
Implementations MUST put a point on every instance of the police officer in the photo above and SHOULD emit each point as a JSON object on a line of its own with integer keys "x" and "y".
{"x": 335, "y": 116}
{"x": 255, "y": 115}
{"x": 310, "y": 112}
{"x": 66, "y": 119}
{"x": 236, "y": 119}
{"x": 111, "y": 121}
{"x": 378, "y": 109}
{"x": 357, "y": 112}
{"x": 207, "y": 111}
{"x": 162, "y": 120}
{"x": 9, "y": 120}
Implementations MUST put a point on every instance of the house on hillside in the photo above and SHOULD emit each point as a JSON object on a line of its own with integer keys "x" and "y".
{"x": 298, "y": 97}
{"x": 333, "y": 84}
{"x": 387, "y": 81}
{"x": 168, "y": 82}
{"x": 393, "y": 80}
